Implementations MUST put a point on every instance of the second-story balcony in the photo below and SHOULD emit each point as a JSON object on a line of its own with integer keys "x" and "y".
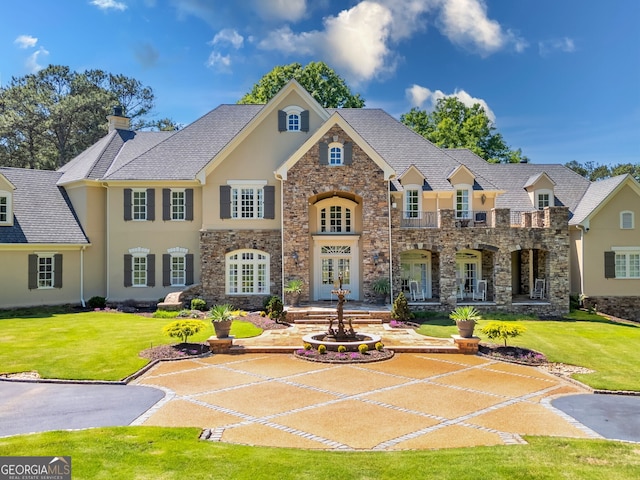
{"x": 549, "y": 217}
{"x": 420, "y": 220}
{"x": 462, "y": 219}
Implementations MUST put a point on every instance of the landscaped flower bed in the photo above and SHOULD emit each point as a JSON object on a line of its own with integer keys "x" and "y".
{"x": 343, "y": 357}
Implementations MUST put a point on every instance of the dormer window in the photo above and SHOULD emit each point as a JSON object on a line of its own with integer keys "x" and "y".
{"x": 544, "y": 198}
{"x": 293, "y": 119}
{"x": 6, "y": 216}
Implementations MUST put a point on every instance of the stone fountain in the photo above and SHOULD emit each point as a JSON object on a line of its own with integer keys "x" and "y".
{"x": 334, "y": 337}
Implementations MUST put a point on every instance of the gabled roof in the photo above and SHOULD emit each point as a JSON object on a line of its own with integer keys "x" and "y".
{"x": 598, "y": 194}
{"x": 42, "y": 210}
{"x": 533, "y": 179}
{"x": 337, "y": 119}
{"x": 511, "y": 178}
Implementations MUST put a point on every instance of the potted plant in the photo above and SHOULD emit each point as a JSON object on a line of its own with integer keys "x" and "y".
{"x": 465, "y": 318}
{"x": 382, "y": 288}
{"x": 222, "y": 317}
{"x": 294, "y": 289}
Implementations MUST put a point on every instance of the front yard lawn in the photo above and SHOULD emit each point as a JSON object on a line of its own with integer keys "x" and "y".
{"x": 95, "y": 345}
{"x": 584, "y": 339}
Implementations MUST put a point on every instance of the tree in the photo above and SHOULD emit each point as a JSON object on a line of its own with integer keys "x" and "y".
{"x": 595, "y": 171}
{"x": 324, "y": 84}
{"x": 49, "y": 117}
{"x": 454, "y": 125}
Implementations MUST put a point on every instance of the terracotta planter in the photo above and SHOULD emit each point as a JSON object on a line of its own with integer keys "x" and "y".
{"x": 222, "y": 328}
{"x": 465, "y": 328}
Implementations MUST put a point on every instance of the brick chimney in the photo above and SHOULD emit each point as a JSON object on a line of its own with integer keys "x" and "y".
{"x": 117, "y": 120}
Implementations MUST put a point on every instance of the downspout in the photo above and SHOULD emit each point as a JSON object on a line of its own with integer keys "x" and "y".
{"x": 82, "y": 302}
{"x": 279, "y": 177}
{"x": 390, "y": 241}
{"x": 582, "y": 232}
{"x": 107, "y": 248}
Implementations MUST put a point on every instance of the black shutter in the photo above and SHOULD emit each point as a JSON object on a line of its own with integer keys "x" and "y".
{"x": 127, "y": 204}
{"x": 166, "y": 204}
{"x": 225, "y": 201}
{"x": 151, "y": 204}
{"x": 348, "y": 153}
{"x": 609, "y": 264}
{"x": 269, "y": 201}
{"x": 57, "y": 271}
{"x": 128, "y": 270}
{"x": 324, "y": 153}
{"x": 33, "y": 272}
{"x": 282, "y": 121}
{"x": 151, "y": 270}
{"x": 188, "y": 198}
{"x": 166, "y": 270}
{"x": 189, "y": 265}
{"x": 304, "y": 121}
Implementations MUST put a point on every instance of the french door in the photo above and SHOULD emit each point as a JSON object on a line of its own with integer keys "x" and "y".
{"x": 335, "y": 260}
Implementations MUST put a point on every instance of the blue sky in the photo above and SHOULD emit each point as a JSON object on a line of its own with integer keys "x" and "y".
{"x": 561, "y": 78}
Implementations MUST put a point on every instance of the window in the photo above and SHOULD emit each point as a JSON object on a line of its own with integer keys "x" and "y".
{"x": 293, "y": 119}
{"x": 335, "y": 219}
{"x": 335, "y": 155}
{"x": 247, "y": 272}
{"x": 45, "y": 271}
{"x": 412, "y": 203}
{"x": 6, "y": 215}
{"x": 177, "y": 267}
{"x": 139, "y": 268}
{"x": 543, "y": 200}
{"x": 139, "y": 205}
{"x": 626, "y": 220}
{"x": 247, "y": 202}
{"x": 462, "y": 203}
{"x": 628, "y": 264}
{"x": 178, "y": 205}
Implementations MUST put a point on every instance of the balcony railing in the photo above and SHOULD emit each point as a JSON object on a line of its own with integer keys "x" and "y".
{"x": 419, "y": 220}
{"x": 469, "y": 218}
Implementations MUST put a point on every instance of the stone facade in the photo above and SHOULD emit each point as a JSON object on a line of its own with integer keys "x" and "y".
{"x": 214, "y": 245}
{"x": 621, "y": 307}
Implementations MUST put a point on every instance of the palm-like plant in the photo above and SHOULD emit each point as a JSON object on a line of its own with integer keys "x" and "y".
{"x": 465, "y": 313}
{"x": 225, "y": 313}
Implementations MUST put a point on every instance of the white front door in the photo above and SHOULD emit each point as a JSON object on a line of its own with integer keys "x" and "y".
{"x": 335, "y": 259}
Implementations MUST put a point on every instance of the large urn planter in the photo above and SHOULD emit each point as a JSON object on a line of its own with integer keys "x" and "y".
{"x": 222, "y": 328}
{"x": 465, "y": 318}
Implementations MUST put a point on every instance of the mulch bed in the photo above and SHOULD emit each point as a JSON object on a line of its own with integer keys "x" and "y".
{"x": 346, "y": 357}
{"x": 523, "y": 356}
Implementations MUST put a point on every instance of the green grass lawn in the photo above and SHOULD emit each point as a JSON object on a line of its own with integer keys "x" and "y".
{"x": 89, "y": 345}
{"x": 584, "y": 339}
{"x": 176, "y": 453}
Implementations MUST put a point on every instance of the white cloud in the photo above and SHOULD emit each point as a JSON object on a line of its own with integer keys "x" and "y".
{"x": 32, "y": 62}
{"x": 354, "y": 42}
{"x": 422, "y": 97}
{"x": 229, "y": 36}
{"x": 219, "y": 62}
{"x": 564, "y": 45}
{"x": 287, "y": 10}
{"x": 109, "y": 4}
{"x": 26, "y": 41}
{"x": 465, "y": 23}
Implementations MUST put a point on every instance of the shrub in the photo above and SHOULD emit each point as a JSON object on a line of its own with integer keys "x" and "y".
{"x": 342, "y": 348}
{"x": 275, "y": 309}
{"x": 400, "y": 309}
{"x": 183, "y": 329}
{"x": 198, "y": 304}
{"x": 322, "y": 349}
{"x": 502, "y": 330}
{"x": 379, "y": 346}
{"x": 97, "y": 302}
{"x": 307, "y": 346}
{"x": 363, "y": 348}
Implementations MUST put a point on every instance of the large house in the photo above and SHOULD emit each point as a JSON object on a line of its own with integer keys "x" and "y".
{"x": 248, "y": 197}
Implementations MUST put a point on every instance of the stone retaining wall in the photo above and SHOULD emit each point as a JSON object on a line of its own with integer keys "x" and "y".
{"x": 627, "y": 308}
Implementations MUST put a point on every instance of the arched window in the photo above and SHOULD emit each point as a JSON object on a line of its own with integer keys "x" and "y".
{"x": 293, "y": 122}
{"x": 335, "y": 154}
{"x": 626, "y": 220}
{"x": 247, "y": 272}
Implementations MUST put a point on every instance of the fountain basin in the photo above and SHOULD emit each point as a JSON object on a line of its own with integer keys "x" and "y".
{"x": 351, "y": 344}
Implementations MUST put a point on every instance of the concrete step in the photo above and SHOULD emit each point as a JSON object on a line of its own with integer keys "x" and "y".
{"x": 446, "y": 349}
{"x": 325, "y": 321}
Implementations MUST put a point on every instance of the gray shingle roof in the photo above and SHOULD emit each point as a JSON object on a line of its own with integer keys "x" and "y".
{"x": 185, "y": 153}
{"x": 42, "y": 210}
{"x": 513, "y": 177}
{"x": 594, "y": 196}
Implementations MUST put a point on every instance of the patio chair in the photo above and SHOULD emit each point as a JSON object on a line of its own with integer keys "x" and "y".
{"x": 538, "y": 288}
{"x": 480, "y": 292}
{"x": 460, "y": 288}
{"x": 416, "y": 293}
